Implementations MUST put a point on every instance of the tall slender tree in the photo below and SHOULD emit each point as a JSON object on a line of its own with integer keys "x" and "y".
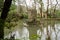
{"x": 51, "y": 6}
{"x": 47, "y": 8}
{"x": 55, "y": 6}
{"x": 4, "y": 14}
{"x": 41, "y": 8}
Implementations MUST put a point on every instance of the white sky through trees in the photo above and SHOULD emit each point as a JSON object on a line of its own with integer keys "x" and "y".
{"x": 30, "y": 3}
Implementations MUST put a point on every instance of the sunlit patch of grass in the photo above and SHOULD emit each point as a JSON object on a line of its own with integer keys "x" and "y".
{"x": 34, "y": 36}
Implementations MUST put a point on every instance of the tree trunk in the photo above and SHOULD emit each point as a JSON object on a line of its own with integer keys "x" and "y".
{"x": 4, "y": 14}
{"x": 41, "y": 8}
{"x": 47, "y": 8}
{"x": 55, "y": 6}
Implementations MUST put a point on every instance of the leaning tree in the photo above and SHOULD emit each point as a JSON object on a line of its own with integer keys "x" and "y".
{"x": 7, "y": 4}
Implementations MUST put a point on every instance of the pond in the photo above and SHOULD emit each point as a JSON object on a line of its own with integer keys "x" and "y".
{"x": 45, "y": 30}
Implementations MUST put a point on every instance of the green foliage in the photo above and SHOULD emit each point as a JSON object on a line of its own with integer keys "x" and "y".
{"x": 11, "y": 19}
{"x": 33, "y": 36}
{"x": 25, "y": 15}
{"x": 13, "y": 7}
{"x": 0, "y": 13}
{"x": 58, "y": 13}
{"x": 1, "y": 4}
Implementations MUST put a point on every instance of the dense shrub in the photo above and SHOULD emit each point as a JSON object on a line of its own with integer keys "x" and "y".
{"x": 25, "y": 15}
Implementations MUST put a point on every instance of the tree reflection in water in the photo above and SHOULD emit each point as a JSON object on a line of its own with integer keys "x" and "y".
{"x": 46, "y": 30}
{"x": 51, "y": 31}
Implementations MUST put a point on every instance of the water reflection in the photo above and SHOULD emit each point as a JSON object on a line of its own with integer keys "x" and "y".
{"x": 46, "y": 30}
{"x": 51, "y": 32}
{"x": 22, "y": 34}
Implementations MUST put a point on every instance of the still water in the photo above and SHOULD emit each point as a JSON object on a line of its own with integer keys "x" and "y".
{"x": 45, "y": 30}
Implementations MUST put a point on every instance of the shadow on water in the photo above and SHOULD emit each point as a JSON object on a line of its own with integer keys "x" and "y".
{"x": 46, "y": 30}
